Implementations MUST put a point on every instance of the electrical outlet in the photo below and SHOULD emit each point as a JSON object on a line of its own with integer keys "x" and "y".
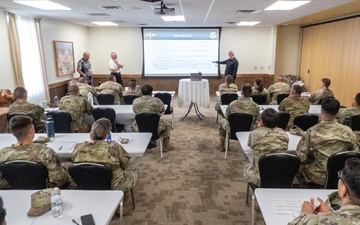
{"x": 262, "y": 68}
{"x": 255, "y": 67}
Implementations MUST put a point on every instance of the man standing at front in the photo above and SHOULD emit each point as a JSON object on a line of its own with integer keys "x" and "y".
{"x": 115, "y": 66}
{"x": 84, "y": 68}
{"x": 232, "y": 65}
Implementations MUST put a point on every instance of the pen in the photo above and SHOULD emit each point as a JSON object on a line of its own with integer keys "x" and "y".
{"x": 60, "y": 148}
{"x": 74, "y": 221}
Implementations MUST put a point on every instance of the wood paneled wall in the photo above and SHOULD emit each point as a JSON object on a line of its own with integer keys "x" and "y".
{"x": 332, "y": 50}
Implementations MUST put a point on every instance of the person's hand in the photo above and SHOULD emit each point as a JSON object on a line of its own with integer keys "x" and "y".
{"x": 308, "y": 207}
{"x": 260, "y": 124}
{"x": 322, "y": 207}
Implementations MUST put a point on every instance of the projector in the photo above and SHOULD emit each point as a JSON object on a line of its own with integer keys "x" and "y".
{"x": 164, "y": 11}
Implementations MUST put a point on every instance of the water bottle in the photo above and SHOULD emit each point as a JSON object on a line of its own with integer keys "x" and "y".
{"x": 56, "y": 101}
{"x": 90, "y": 98}
{"x": 137, "y": 87}
{"x": 44, "y": 103}
{"x": 56, "y": 202}
{"x": 108, "y": 137}
{"x": 50, "y": 126}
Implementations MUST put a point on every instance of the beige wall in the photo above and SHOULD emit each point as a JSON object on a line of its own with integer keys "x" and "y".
{"x": 6, "y": 75}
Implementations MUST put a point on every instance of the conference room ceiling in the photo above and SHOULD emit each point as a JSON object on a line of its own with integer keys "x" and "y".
{"x": 198, "y": 13}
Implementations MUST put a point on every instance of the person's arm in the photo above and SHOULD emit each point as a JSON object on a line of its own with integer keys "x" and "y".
{"x": 282, "y": 106}
{"x": 79, "y": 69}
{"x": 220, "y": 62}
{"x": 117, "y": 66}
{"x": 303, "y": 147}
{"x": 57, "y": 175}
{"x": 236, "y": 65}
{"x": 124, "y": 157}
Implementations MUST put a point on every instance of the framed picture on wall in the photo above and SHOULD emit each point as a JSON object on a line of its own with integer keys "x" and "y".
{"x": 64, "y": 58}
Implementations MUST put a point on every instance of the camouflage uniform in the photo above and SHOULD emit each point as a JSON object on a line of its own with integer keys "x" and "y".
{"x": 113, "y": 88}
{"x": 124, "y": 177}
{"x": 276, "y": 89}
{"x": 232, "y": 88}
{"x": 33, "y": 110}
{"x": 263, "y": 92}
{"x": 36, "y": 153}
{"x": 347, "y": 112}
{"x": 77, "y": 106}
{"x": 132, "y": 92}
{"x": 294, "y": 106}
{"x": 85, "y": 89}
{"x": 317, "y": 96}
{"x": 243, "y": 105}
{"x": 263, "y": 141}
{"x": 325, "y": 139}
{"x": 152, "y": 105}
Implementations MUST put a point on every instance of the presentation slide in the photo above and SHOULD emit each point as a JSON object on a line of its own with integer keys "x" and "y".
{"x": 175, "y": 52}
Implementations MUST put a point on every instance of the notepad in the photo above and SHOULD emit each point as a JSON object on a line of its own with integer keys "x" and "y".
{"x": 286, "y": 206}
{"x": 62, "y": 146}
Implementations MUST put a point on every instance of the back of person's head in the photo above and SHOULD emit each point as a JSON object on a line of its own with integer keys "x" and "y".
{"x": 19, "y": 92}
{"x": 100, "y": 129}
{"x": 20, "y": 125}
{"x": 73, "y": 89}
{"x": 270, "y": 118}
{"x": 132, "y": 83}
{"x": 260, "y": 83}
{"x": 229, "y": 79}
{"x": 357, "y": 99}
{"x": 280, "y": 78}
{"x": 326, "y": 82}
{"x": 330, "y": 106}
{"x": 2, "y": 212}
{"x": 246, "y": 90}
{"x": 351, "y": 179}
{"x": 147, "y": 89}
{"x": 73, "y": 82}
{"x": 111, "y": 78}
{"x": 298, "y": 78}
{"x": 82, "y": 80}
{"x": 296, "y": 90}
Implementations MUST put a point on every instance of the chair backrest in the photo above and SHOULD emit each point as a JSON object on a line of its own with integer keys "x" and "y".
{"x": 62, "y": 121}
{"x": 355, "y": 123}
{"x": 11, "y": 115}
{"x": 259, "y": 99}
{"x": 148, "y": 122}
{"x": 306, "y": 121}
{"x": 227, "y": 98}
{"x": 166, "y": 99}
{"x": 278, "y": 170}
{"x": 281, "y": 97}
{"x": 105, "y": 112}
{"x": 335, "y": 163}
{"x": 284, "y": 118}
{"x": 91, "y": 176}
{"x": 128, "y": 99}
{"x": 239, "y": 122}
{"x": 25, "y": 174}
{"x": 105, "y": 99}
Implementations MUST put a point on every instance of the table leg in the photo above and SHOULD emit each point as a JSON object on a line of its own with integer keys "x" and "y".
{"x": 121, "y": 212}
{"x": 197, "y": 111}
{"x": 190, "y": 107}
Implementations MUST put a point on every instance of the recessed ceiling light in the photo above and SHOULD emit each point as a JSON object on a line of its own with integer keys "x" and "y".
{"x": 286, "y": 5}
{"x": 173, "y": 18}
{"x": 106, "y": 23}
{"x": 248, "y": 23}
{"x": 44, "y": 5}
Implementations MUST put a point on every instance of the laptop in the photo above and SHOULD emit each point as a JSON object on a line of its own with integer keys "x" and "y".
{"x": 195, "y": 76}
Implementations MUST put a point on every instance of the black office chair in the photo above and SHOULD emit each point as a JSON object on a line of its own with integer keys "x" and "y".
{"x": 62, "y": 121}
{"x": 108, "y": 113}
{"x": 335, "y": 163}
{"x": 22, "y": 174}
{"x": 149, "y": 122}
{"x": 281, "y": 97}
{"x": 11, "y": 115}
{"x": 284, "y": 118}
{"x": 306, "y": 121}
{"x": 355, "y": 123}
{"x": 105, "y": 99}
{"x": 237, "y": 122}
{"x": 226, "y": 99}
{"x": 166, "y": 99}
{"x": 128, "y": 99}
{"x": 259, "y": 99}
{"x": 276, "y": 171}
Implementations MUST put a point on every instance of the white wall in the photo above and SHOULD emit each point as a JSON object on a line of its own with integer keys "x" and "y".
{"x": 7, "y": 80}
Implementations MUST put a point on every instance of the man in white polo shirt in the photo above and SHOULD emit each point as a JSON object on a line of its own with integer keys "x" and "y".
{"x": 115, "y": 66}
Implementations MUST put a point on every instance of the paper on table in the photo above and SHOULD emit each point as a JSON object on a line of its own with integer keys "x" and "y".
{"x": 62, "y": 146}
{"x": 129, "y": 143}
{"x": 286, "y": 206}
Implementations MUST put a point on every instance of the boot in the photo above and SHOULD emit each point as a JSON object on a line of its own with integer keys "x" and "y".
{"x": 167, "y": 146}
{"x": 221, "y": 146}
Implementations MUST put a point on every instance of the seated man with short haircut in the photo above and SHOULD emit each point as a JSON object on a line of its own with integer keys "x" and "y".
{"x": 324, "y": 139}
{"x": 349, "y": 112}
{"x": 349, "y": 193}
{"x": 23, "y": 129}
{"x": 112, "y": 87}
{"x": 278, "y": 88}
{"x": 21, "y": 105}
{"x": 267, "y": 139}
{"x": 323, "y": 93}
{"x": 132, "y": 89}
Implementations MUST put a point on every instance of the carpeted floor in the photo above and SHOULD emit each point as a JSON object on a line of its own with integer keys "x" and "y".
{"x": 192, "y": 184}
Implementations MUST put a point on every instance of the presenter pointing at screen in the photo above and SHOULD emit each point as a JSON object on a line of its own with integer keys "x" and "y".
{"x": 231, "y": 65}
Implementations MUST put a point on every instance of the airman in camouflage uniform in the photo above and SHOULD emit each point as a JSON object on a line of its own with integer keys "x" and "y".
{"x": 85, "y": 88}
{"x": 33, "y": 110}
{"x": 267, "y": 139}
{"x": 278, "y": 88}
{"x": 99, "y": 151}
{"x": 294, "y": 104}
{"x": 243, "y": 105}
{"x": 132, "y": 89}
{"x": 23, "y": 129}
{"x": 111, "y": 87}
{"x": 348, "y": 192}
{"x": 349, "y": 112}
{"x": 258, "y": 89}
{"x": 326, "y": 138}
{"x": 77, "y": 106}
{"x": 324, "y": 92}
{"x": 227, "y": 87}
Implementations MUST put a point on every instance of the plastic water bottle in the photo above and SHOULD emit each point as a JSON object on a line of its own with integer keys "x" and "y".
{"x": 56, "y": 202}
{"x": 56, "y": 101}
{"x": 137, "y": 87}
{"x": 109, "y": 137}
{"x": 44, "y": 103}
{"x": 50, "y": 126}
{"x": 90, "y": 98}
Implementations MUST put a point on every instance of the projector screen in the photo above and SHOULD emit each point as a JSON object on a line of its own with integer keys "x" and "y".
{"x": 177, "y": 52}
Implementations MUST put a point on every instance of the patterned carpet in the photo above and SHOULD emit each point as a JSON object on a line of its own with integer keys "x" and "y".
{"x": 192, "y": 184}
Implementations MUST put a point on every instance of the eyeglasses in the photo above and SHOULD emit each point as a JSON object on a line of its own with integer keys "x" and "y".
{"x": 340, "y": 173}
